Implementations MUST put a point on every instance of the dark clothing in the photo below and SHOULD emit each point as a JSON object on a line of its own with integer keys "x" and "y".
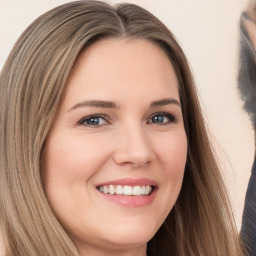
{"x": 248, "y": 230}
{"x": 247, "y": 88}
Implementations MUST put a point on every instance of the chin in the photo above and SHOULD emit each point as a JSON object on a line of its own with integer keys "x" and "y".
{"x": 133, "y": 234}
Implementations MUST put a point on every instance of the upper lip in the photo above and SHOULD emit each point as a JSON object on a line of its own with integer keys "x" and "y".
{"x": 129, "y": 182}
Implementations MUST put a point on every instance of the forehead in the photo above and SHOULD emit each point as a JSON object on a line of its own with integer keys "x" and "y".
{"x": 131, "y": 67}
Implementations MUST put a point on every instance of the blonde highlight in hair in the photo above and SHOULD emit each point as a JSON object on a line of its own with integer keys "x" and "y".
{"x": 31, "y": 85}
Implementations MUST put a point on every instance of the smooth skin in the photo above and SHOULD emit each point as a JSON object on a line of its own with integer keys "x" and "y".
{"x": 135, "y": 131}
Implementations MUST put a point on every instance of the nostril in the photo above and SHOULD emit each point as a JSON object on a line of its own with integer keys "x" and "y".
{"x": 133, "y": 158}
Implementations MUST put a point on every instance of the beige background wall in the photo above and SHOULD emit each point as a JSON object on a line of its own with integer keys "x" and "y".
{"x": 208, "y": 33}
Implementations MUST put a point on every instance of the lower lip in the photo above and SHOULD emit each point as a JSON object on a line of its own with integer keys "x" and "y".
{"x": 131, "y": 201}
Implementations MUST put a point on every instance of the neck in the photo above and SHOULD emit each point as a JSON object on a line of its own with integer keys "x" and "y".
{"x": 92, "y": 251}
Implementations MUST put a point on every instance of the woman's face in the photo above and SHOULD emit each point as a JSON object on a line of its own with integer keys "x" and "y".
{"x": 115, "y": 155}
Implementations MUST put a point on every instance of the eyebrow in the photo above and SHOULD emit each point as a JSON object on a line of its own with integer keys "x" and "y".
{"x": 94, "y": 103}
{"x": 110, "y": 104}
{"x": 165, "y": 102}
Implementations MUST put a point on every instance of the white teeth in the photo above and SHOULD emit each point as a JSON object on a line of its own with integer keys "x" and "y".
{"x": 147, "y": 190}
{"x": 143, "y": 190}
{"x": 126, "y": 190}
{"x": 112, "y": 190}
{"x": 105, "y": 190}
{"x": 119, "y": 190}
{"x": 136, "y": 191}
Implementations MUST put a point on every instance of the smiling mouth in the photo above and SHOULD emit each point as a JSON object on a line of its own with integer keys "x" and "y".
{"x": 126, "y": 190}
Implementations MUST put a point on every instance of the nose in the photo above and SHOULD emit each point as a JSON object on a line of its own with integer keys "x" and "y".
{"x": 133, "y": 147}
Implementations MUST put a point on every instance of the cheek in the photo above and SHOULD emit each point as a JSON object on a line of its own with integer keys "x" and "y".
{"x": 173, "y": 153}
{"x": 69, "y": 165}
{"x": 71, "y": 158}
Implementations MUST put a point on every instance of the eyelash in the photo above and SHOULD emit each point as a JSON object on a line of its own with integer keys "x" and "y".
{"x": 87, "y": 118}
{"x": 171, "y": 117}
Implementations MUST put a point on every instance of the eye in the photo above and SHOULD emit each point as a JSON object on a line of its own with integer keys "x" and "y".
{"x": 162, "y": 118}
{"x": 93, "y": 120}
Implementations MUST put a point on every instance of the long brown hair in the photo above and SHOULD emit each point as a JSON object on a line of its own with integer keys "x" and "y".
{"x": 31, "y": 85}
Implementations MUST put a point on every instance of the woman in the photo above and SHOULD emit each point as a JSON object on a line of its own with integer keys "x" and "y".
{"x": 103, "y": 145}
